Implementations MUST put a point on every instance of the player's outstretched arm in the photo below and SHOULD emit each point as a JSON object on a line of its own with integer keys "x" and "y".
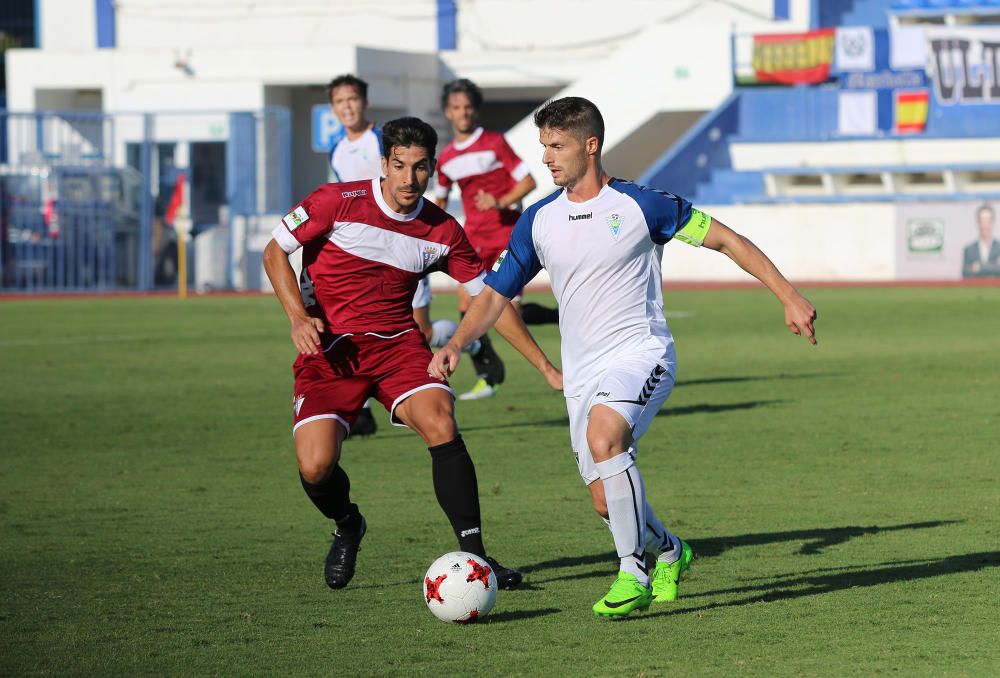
{"x": 487, "y": 308}
{"x": 305, "y": 329}
{"x": 511, "y": 327}
{"x": 799, "y": 313}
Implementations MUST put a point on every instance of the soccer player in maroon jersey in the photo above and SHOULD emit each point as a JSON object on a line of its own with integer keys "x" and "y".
{"x": 366, "y": 244}
{"x": 492, "y": 180}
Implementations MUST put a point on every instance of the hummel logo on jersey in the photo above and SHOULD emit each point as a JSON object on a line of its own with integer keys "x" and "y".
{"x": 297, "y": 404}
{"x": 615, "y": 224}
{"x": 296, "y": 218}
{"x": 577, "y": 217}
{"x": 354, "y": 194}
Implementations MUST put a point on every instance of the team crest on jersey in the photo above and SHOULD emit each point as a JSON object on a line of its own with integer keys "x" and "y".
{"x": 615, "y": 224}
{"x": 296, "y": 218}
{"x": 429, "y": 254}
{"x": 297, "y": 403}
{"x": 496, "y": 266}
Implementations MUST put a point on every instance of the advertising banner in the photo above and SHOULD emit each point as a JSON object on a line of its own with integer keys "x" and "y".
{"x": 946, "y": 241}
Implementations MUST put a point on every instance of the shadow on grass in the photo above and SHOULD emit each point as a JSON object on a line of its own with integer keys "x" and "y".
{"x": 818, "y": 538}
{"x": 709, "y": 408}
{"x": 518, "y": 615}
{"x": 818, "y": 584}
{"x": 764, "y": 377}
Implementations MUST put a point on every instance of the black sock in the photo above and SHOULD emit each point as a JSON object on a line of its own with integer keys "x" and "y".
{"x": 458, "y": 493}
{"x": 332, "y": 496}
{"x": 536, "y": 314}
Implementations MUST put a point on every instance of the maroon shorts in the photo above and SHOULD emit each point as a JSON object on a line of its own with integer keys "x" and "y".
{"x": 335, "y": 383}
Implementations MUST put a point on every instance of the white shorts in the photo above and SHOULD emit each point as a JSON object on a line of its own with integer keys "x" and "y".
{"x": 635, "y": 387}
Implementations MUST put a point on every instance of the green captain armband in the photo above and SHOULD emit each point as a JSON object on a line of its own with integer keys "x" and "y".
{"x": 695, "y": 230}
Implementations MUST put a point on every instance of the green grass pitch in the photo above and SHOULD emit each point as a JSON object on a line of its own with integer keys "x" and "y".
{"x": 844, "y": 501}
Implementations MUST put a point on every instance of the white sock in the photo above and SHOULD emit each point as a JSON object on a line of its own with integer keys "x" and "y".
{"x": 626, "y": 498}
{"x": 659, "y": 538}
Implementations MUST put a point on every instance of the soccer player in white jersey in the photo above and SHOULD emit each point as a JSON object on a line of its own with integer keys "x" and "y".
{"x": 356, "y": 148}
{"x": 601, "y": 241}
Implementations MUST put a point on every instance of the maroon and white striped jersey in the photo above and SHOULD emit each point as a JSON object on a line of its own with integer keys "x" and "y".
{"x": 361, "y": 261}
{"x": 483, "y": 162}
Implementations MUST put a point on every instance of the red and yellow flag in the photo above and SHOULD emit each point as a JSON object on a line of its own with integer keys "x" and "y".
{"x": 793, "y": 58}
{"x": 911, "y": 111}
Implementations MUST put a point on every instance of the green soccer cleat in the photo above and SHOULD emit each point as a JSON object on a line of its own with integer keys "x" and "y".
{"x": 626, "y": 594}
{"x": 665, "y": 577}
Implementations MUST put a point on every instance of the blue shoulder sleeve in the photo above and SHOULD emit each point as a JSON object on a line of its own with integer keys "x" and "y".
{"x": 519, "y": 263}
{"x": 665, "y": 213}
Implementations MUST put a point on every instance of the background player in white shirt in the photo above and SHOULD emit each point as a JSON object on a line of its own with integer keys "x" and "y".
{"x": 600, "y": 240}
{"x": 356, "y": 149}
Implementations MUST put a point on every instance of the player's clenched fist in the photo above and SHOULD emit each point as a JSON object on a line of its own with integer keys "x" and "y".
{"x": 305, "y": 334}
{"x": 445, "y": 361}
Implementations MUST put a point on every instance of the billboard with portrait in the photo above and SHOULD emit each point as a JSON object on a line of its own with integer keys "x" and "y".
{"x": 947, "y": 241}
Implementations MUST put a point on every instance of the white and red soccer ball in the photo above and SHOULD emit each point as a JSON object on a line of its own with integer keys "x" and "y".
{"x": 460, "y": 588}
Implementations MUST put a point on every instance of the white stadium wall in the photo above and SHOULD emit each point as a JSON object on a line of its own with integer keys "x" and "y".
{"x": 830, "y": 243}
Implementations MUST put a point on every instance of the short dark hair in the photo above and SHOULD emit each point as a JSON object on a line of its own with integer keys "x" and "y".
{"x": 986, "y": 207}
{"x": 574, "y": 115}
{"x": 347, "y": 79}
{"x": 408, "y": 132}
{"x": 462, "y": 86}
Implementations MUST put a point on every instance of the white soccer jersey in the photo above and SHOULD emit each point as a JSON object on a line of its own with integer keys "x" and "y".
{"x": 358, "y": 159}
{"x": 603, "y": 258}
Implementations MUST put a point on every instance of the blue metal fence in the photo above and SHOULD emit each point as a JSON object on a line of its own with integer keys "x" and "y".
{"x": 88, "y": 200}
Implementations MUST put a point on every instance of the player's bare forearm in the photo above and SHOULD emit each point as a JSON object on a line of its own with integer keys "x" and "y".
{"x": 483, "y": 313}
{"x": 282, "y": 276}
{"x": 422, "y": 316}
{"x": 512, "y": 328}
{"x": 799, "y": 313}
{"x": 305, "y": 329}
{"x": 522, "y": 188}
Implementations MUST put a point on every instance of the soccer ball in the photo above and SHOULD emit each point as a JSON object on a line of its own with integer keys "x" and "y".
{"x": 460, "y": 588}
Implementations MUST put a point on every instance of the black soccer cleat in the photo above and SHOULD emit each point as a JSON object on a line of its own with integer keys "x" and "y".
{"x": 506, "y": 577}
{"x": 365, "y": 425}
{"x": 343, "y": 556}
{"x": 488, "y": 364}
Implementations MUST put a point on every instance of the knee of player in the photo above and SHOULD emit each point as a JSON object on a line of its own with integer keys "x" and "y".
{"x": 602, "y": 446}
{"x": 439, "y": 427}
{"x": 315, "y": 464}
{"x": 315, "y": 471}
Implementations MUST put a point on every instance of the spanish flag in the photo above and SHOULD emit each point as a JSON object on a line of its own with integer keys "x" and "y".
{"x": 911, "y": 111}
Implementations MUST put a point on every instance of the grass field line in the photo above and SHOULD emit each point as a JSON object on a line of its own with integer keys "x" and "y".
{"x": 128, "y": 338}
